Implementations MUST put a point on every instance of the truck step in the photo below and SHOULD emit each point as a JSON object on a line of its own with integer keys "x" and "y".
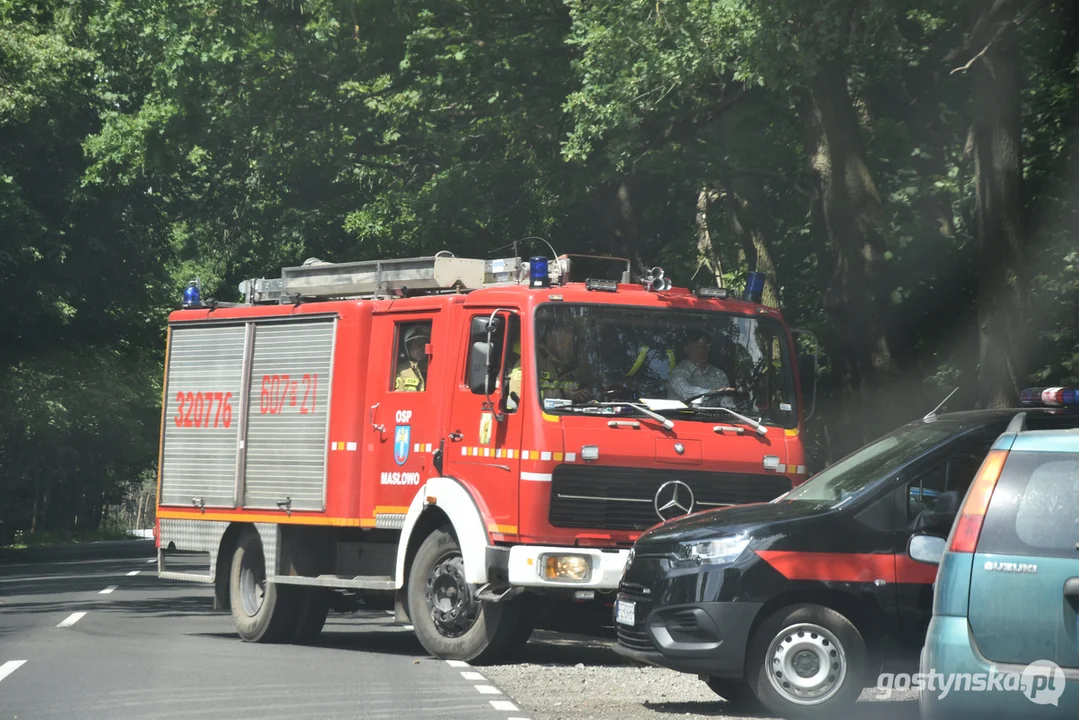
{"x": 362, "y": 582}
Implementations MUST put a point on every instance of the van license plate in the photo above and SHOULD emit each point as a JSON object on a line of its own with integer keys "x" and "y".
{"x": 625, "y": 612}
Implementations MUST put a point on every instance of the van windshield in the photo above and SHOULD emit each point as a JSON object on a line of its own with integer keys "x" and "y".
{"x": 589, "y": 354}
{"x": 849, "y": 477}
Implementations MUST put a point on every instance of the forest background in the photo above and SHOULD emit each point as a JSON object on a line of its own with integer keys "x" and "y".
{"x": 902, "y": 171}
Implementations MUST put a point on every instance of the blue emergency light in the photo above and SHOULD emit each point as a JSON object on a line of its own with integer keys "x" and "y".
{"x": 537, "y": 272}
{"x": 754, "y": 287}
{"x": 1049, "y": 397}
{"x": 192, "y": 296}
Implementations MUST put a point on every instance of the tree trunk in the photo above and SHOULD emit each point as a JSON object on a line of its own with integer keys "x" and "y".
{"x": 995, "y": 143}
{"x": 36, "y": 510}
{"x": 851, "y": 215}
{"x": 707, "y": 257}
{"x": 624, "y": 223}
{"x": 750, "y": 224}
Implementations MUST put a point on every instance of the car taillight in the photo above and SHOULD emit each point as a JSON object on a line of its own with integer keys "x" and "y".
{"x": 969, "y": 526}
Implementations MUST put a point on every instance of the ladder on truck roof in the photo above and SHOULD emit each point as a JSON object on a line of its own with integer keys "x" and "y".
{"x": 318, "y": 280}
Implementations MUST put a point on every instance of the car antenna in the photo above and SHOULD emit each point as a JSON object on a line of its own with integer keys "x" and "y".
{"x": 933, "y": 413}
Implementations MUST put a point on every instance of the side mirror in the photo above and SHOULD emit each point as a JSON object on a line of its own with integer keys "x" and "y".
{"x": 479, "y": 362}
{"x": 807, "y": 372}
{"x": 928, "y": 549}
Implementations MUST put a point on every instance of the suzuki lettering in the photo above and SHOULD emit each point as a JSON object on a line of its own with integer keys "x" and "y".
{"x": 673, "y": 499}
{"x": 401, "y": 436}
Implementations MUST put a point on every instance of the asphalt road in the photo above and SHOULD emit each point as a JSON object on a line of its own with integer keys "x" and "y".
{"x": 105, "y": 638}
{"x": 89, "y": 638}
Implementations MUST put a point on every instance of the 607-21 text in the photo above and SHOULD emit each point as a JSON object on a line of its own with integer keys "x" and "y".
{"x": 280, "y": 392}
{"x": 196, "y": 408}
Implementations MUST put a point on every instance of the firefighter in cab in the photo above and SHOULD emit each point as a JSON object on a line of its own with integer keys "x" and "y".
{"x": 412, "y": 369}
{"x": 557, "y": 367}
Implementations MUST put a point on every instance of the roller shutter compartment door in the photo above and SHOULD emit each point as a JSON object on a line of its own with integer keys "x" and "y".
{"x": 202, "y": 416}
{"x": 288, "y": 411}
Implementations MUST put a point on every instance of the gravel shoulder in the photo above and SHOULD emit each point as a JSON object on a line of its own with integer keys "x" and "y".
{"x": 573, "y": 677}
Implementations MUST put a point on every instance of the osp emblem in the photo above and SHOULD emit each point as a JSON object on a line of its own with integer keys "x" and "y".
{"x": 402, "y": 434}
{"x": 674, "y": 498}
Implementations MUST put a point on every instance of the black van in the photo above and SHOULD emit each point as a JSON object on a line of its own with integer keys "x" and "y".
{"x": 801, "y": 600}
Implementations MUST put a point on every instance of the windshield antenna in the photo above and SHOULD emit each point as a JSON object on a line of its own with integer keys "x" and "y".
{"x": 933, "y": 413}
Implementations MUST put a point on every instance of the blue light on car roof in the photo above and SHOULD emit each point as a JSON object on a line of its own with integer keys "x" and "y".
{"x": 1049, "y": 397}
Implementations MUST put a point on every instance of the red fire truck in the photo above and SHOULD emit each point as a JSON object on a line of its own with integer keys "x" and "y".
{"x": 460, "y": 438}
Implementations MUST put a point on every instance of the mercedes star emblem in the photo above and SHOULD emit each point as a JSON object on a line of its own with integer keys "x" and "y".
{"x": 674, "y": 498}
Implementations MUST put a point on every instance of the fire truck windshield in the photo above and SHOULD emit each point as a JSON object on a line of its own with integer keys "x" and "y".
{"x": 607, "y": 353}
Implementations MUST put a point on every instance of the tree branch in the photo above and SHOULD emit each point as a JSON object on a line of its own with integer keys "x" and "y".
{"x": 986, "y": 19}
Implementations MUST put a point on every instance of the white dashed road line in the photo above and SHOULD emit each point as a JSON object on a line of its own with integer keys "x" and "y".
{"x": 9, "y": 667}
{"x": 151, "y": 560}
{"x": 471, "y": 675}
{"x": 72, "y": 619}
{"x": 108, "y": 590}
{"x": 133, "y": 573}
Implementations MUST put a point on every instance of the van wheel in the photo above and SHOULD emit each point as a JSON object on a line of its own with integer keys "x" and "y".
{"x": 314, "y": 604}
{"x": 262, "y": 611}
{"x": 807, "y": 661}
{"x": 448, "y": 619}
{"x": 737, "y": 693}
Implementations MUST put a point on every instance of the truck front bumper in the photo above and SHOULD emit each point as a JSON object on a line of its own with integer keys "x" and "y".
{"x": 527, "y": 563}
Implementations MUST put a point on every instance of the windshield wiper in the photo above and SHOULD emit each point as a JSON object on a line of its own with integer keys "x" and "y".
{"x": 761, "y": 429}
{"x": 596, "y": 408}
{"x": 644, "y": 410}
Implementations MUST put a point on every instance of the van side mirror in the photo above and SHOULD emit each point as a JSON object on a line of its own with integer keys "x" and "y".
{"x": 928, "y": 549}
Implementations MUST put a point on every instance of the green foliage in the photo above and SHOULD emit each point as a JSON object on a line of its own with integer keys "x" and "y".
{"x": 144, "y": 143}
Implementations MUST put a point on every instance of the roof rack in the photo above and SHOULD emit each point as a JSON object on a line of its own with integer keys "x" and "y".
{"x": 441, "y": 273}
{"x": 1017, "y": 425}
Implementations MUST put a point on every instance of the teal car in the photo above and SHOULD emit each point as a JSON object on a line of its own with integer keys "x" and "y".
{"x": 1003, "y": 641}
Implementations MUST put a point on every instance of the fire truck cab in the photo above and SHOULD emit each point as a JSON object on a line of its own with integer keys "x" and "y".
{"x": 461, "y": 437}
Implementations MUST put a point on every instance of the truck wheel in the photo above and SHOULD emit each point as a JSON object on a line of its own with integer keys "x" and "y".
{"x": 448, "y": 619}
{"x": 314, "y": 604}
{"x": 523, "y": 633}
{"x": 807, "y": 661}
{"x": 262, "y": 611}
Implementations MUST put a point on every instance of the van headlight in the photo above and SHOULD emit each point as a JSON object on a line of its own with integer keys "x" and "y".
{"x": 720, "y": 551}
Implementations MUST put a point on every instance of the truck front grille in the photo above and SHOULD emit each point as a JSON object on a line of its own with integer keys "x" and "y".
{"x": 621, "y": 498}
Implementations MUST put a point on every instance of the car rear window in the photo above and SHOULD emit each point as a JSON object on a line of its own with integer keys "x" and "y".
{"x": 1035, "y": 507}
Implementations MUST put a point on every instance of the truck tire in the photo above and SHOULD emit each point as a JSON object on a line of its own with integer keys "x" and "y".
{"x": 262, "y": 611}
{"x": 807, "y": 661}
{"x": 448, "y": 619}
{"x": 314, "y": 606}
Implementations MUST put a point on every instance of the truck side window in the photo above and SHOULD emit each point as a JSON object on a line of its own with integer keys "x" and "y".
{"x": 410, "y": 356}
{"x": 511, "y": 399}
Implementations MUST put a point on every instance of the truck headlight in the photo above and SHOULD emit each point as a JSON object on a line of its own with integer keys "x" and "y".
{"x": 720, "y": 551}
{"x": 567, "y": 568}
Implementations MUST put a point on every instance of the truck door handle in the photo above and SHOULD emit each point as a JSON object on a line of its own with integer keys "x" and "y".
{"x": 456, "y": 436}
{"x": 1071, "y": 588}
{"x": 380, "y": 428}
